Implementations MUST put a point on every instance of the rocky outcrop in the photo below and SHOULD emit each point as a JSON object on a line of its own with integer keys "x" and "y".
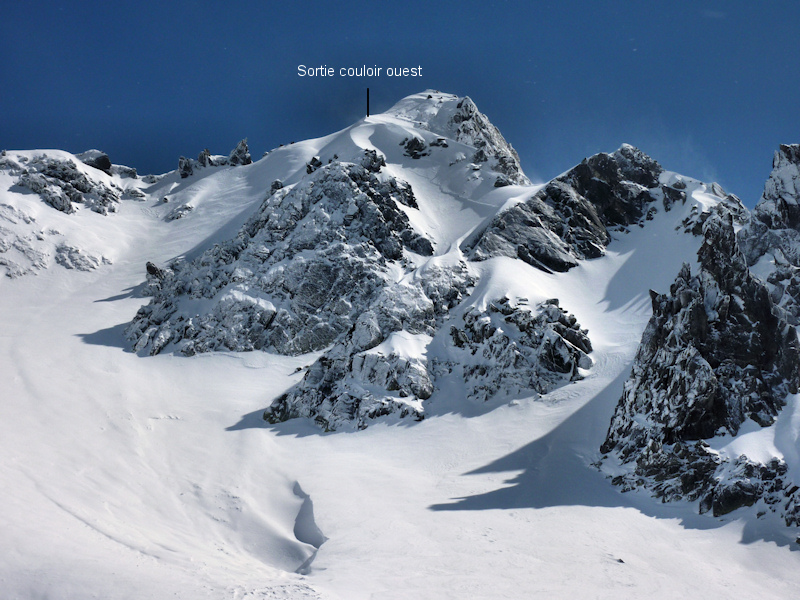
{"x": 415, "y": 148}
{"x": 469, "y": 126}
{"x": 239, "y": 156}
{"x": 61, "y": 184}
{"x": 774, "y": 232}
{"x": 715, "y": 353}
{"x": 97, "y": 160}
{"x": 297, "y": 276}
{"x": 185, "y": 166}
{"x": 571, "y": 217}
{"x": 382, "y": 367}
{"x": 510, "y": 349}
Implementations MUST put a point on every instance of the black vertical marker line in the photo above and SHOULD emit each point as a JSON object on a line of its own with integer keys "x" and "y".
{"x": 367, "y": 101}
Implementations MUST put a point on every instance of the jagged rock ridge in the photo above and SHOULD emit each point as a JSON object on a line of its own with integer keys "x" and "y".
{"x": 240, "y": 155}
{"x": 571, "y": 218}
{"x": 715, "y": 353}
{"x": 771, "y": 240}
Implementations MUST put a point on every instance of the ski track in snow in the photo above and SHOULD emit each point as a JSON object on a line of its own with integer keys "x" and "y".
{"x": 133, "y": 477}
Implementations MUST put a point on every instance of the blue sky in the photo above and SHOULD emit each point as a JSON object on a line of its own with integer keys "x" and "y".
{"x": 708, "y": 89}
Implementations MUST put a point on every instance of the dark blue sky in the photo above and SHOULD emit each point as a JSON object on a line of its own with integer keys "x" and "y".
{"x": 709, "y": 89}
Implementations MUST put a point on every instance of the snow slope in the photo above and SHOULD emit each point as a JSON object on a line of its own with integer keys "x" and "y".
{"x": 128, "y": 476}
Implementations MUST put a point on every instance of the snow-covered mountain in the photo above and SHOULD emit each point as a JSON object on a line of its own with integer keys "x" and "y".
{"x": 404, "y": 281}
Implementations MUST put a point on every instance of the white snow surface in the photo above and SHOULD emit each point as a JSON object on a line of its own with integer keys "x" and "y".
{"x": 154, "y": 477}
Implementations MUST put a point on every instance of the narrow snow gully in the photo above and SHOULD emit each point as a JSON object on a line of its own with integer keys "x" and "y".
{"x": 305, "y": 528}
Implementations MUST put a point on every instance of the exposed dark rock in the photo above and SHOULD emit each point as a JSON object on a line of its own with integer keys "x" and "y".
{"x": 715, "y": 353}
{"x": 154, "y": 271}
{"x": 155, "y": 277}
{"x": 204, "y": 158}
{"x": 734, "y": 496}
{"x": 343, "y": 213}
{"x": 371, "y": 161}
{"x": 185, "y": 167}
{"x": 96, "y": 159}
{"x": 416, "y": 148}
{"x": 570, "y": 218}
{"x": 313, "y": 164}
{"x": 240, "y": 155}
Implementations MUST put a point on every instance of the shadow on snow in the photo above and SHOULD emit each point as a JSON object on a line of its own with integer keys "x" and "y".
{"x": 557, "y": 470}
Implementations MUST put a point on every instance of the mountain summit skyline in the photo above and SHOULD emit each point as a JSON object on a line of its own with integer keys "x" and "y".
{"x": 384, "y": 362}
